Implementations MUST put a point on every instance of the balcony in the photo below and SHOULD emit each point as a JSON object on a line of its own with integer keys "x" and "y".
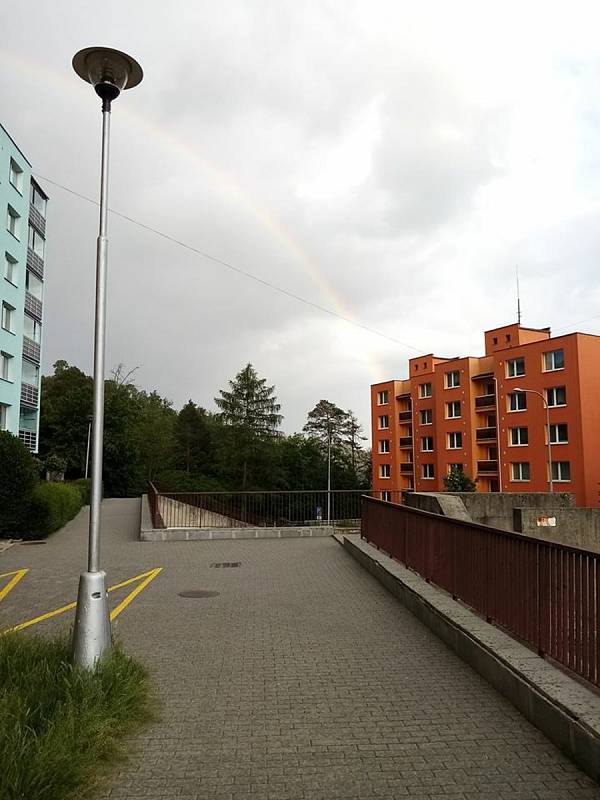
{"x": 33, "y": 306}
{"x": 29, "y": 395}
{"x": 486, "y": 401}
{"x": 405, "y": 416}
{"x": 407, "y": 468}
{"x": 29, "y": 438}
{"x": 485, "y": 434}
{"x": 31, "y": 349}
{"x": 405, "y": 441}
{"x": 36, "y": 219}
{"x": 35, "y": 263}
{"x": 487, "y": 467}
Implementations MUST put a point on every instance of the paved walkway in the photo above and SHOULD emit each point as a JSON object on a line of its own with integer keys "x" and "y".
{"x": 303, "y": 679}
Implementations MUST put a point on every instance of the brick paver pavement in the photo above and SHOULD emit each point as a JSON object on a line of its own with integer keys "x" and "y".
{"x": 303, "y": 678}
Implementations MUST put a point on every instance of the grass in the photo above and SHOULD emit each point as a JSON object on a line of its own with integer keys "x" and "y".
{"x": 60, "y": 727}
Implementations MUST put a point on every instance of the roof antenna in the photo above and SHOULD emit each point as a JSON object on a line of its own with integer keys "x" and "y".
{"x": 518, "y": 297}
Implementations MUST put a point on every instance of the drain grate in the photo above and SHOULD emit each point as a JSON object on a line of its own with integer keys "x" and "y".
{"x": 198, "y": 593}
{"x": 226, "y": 564}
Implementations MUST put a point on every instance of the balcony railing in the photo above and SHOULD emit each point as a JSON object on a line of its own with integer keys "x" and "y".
{"x": 33, "y": 306}
{"x": 29, "y": 395}
{"x": 37, "y": 220}
{"x": 485, "y": 401}
{"x": 35, "y": 263}
{"x": 405, "y": 416}
{"x": 406, "y": 441}
{"x": 485, "y": 434}
{"x": 31, "y": 349}
{"x": 487, "y": 467}
{"x": 407, "y": 468}
{"x": 29, "y": 438}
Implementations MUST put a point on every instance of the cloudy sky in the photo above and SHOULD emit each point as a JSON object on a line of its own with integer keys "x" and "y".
{"x": 391, "y": 162}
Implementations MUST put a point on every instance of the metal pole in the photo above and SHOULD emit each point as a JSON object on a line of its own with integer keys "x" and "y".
{"x": 498, "y": 433}
{"x": 329, "y": 474}
{"x": 87, "y": 451}
{"x": 91, "y": 636}
{"x": 550, "y": 480}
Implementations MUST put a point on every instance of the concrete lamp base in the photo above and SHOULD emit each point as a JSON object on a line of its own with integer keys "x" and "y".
{"x": 91, "y": 634}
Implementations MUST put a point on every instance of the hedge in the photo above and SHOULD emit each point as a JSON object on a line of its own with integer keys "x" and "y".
{"x": 84, "y": 485}
{"x": 51, "y": 506}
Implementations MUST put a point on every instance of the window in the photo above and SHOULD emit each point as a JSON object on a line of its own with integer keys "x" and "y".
{"x": 559, "y": 434}
{"x": 556, "y": 396}
{"x": 425, "y": 390}
{"x": 3, "y": 417}
{"x": 561, "y": 471}
{"x": 32, "y": 328}
{"x": 384, "y": 470}
{"x": 519, "y": 436}
{"x": 519, "y": 471}
{"x": 10, "y": 268}
{"x": 384, "y": 422}
{"x": 455, "y": 441}
{"x": 30, "y": 373}
{"x": 33, "y": 285}
{"x": 427, "y": 444}
{"x": 426, "y": 416}
{"x": 453, "y": 409}
{"x": 382, "y": 397}
{"x": 36, "y": 242}
{"x": 8, "y": 314}
{"x": 455, "y": 467}
{"x": 37, "y": 199}
{"x": 6, "y": 366}
{"x": 387, "y": 496}
{"x": 555, "y": 359}
{"x": 16, "y": 176}
{"x": 384, "y": 445}
{"x": 428, "y": 471}
{"x": 452, "y": 379}
{"x": 517, "y": 401}
{"x": 12, "y": 222}
{"x": 495, "y": 340}
{"x": 515, "y": 367}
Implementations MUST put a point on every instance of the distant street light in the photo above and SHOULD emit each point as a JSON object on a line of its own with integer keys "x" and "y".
{"x": 545, "y": 402}
{"x": 109, "y": 72}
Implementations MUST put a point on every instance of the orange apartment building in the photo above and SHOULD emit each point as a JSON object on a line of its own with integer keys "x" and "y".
{"x": 468, "y": 412}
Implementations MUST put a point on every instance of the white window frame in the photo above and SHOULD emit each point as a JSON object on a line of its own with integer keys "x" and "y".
{"x": 384, "y": 446}
{"x": 15, "y": 172}
{"x": 556, "y": 425}
{"x": 425, "y": 390}
{"x": 511, "y": 371}
{"x": 516, "y": 475}
{"x": 552, "y": 354}
{"x": 7, "y": 317}
{"x": 10, "y": 265}
{"x": 453, "y": 379}
{"x": 383, "y": 397}
{"x": 428, "y": 439}
{"x": 386, "y": 496}
{"x": 554, "y": 389}
{"x": 385, "y": 468}
{"x": 517, "y": 394}
{"x": 4, "y": 416}
{"x": 427, "y": 411}
{"x": 380, "y": 423}
{"x": 425, "y": 468}
{"x": 451, "y": 407}
{"x": 511, "y": 442}
{"x": 452, "y": 436}
{"x": 33, "y": 242}
{"x": 6, "y": 361}
{"x": 13, "y": 222}
{"x": 33, "y": 199}
{"x": 559, "y": 469}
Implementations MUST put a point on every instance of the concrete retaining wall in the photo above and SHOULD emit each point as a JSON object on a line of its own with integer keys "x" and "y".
{"x": 575, "y": 527}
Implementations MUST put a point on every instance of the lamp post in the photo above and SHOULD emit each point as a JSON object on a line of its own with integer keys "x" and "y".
{"x": 109, "y": 71}
{"x": 329, "y": 472}
{"x": 545, "y": 402}
{"x": 87, "y": 450}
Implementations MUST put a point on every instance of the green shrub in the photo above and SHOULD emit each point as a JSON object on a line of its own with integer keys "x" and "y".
{"x": 84, "y": 485}
{"x": 60, "y": 725}
{"x": 176, "y": 480}
{"x": 52, "y": 505}
{"x": 458, "y": 481}
{"x": 17, "y": 479}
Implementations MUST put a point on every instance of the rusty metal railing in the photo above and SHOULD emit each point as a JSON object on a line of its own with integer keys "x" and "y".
{"x": 544, "y": 593}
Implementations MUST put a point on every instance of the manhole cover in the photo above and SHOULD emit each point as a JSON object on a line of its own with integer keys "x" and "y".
{"x": 198, "y": 593}
{"x": 226, "y": 564}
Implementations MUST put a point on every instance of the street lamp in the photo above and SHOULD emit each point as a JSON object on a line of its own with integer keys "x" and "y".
{"x": 545, "y": 402}
{"x": 109, "y": 71}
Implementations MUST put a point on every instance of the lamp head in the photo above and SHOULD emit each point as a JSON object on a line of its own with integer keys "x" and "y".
{"x": 518, "y": 389}
{"x": 109, "y": 71}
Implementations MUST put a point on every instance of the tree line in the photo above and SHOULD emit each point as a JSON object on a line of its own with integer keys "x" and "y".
{"x": 237, "y": 447}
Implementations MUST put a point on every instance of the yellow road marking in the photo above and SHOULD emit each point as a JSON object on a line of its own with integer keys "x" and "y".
{"x": 147, "y": 576}
{"x": 18, "y": 574}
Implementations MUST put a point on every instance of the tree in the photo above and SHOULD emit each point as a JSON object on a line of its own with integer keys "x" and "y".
{"x": 17, "y": 479}
{"x": 352, "y": 439}
{"x": 154, "y": 434}
{"x": 327, "y": 425}
{"x": 458, "y": 481}
{"x": 193, "y": 440}
{"x": 250, "y": 412}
